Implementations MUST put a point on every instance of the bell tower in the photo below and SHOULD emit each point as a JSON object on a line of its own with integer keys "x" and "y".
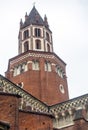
{"x": 36, "y": 68}
{"x": 34, "y": 33}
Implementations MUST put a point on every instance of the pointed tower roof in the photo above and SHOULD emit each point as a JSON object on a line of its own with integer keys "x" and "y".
{"x": 33, "y": 18}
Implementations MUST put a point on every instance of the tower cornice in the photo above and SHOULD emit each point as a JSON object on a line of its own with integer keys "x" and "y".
{"x": 38, "y": 54}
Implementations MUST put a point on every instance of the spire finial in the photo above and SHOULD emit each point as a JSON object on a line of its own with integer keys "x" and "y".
{"x": 45, "y": 20}
{"x": 34, "y": 4}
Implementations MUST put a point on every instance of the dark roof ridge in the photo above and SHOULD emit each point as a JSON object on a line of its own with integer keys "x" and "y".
{"x": 10, "y": 94}
{"x": 34, "y": 112}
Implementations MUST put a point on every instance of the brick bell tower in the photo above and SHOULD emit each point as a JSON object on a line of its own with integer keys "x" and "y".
{"x": 36, "y": 68}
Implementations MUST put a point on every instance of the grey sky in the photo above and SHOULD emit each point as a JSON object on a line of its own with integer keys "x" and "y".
{"x": 68, "y": 20}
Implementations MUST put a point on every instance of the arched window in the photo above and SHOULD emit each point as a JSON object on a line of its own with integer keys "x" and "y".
{"x": 47, "y": 37}
{"x": 38, "y": 44}
{"x": 15, "y": 71}
{"x": 47, "y": 66}
{"x": 20, "y": 69}
{"x": 35, "y": 65}
{"x": 23, "y": 67}
{"x": 26, "y": 46}
{"x": 59, "y": 71}
{"x": 37, "y": 32}
{"x": 26, "y": 34}
{"x": 48, "y": 47}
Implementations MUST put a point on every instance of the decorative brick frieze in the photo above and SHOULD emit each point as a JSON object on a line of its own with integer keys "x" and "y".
{"x": 9, "y": 87}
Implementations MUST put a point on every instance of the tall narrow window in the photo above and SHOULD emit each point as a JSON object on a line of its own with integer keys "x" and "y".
{"x": 15, "y": 71}
{"x": 18, "y": 69}
{"x": 26, "y": 34}
{"x": 37, "y": 32}
{"x": 47, "y": 37}
{"x": 38, "y": 44}
{"x": 48, "y": 47}
{"x": 60, "y": 71}
{"x": 35, "y": 65}
{"x": 26, "y": 46}
{"x": 47, "y": 66}
{"x": 23, "y": 67}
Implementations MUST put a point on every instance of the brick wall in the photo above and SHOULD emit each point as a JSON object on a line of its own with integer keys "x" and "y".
{"x": 9, "y": 110}
{"x": 42, "y": 84}
{"x": 30, "y": 121}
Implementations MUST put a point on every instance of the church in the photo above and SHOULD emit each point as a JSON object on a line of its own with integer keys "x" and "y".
{"x": 34, "y": 93}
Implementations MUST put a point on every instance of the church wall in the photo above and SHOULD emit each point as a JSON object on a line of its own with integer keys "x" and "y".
{"x": 34, "y": 121}
{"x": 9, "y": 110}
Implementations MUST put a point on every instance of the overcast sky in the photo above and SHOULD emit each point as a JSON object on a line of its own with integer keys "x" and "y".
{"x": 68, "y": 21}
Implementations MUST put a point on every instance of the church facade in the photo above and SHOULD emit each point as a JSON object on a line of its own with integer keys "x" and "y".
{"x": 34, "y": 92}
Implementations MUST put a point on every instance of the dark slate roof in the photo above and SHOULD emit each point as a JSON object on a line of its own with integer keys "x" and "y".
{"x": 33, "y": 18}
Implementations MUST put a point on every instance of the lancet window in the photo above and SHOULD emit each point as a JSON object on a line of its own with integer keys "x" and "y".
{"x": 26, "y": 46}
{"x": 47, "y": 66}
{"x": 37, "y": 32}
{"x": 48, "y": 47}
{"x": 20, "y": 69}
{"x": 35, "y": 65}
{"x": 38, "y": 44}
{"x": 47, "y": 37}
{"x": 59, "y": 71}
{"x": 26, "y": 34}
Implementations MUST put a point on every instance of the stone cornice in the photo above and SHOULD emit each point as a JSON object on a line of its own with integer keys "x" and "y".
{"x": 37, "y": 54}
